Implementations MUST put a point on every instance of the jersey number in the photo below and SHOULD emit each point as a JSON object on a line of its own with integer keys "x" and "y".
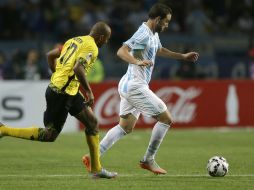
{"x": 68, "y": 53}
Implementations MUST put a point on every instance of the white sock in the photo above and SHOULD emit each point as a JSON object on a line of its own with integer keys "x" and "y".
{"x": 110, "y": 138}
{"x": 158, "y": 133}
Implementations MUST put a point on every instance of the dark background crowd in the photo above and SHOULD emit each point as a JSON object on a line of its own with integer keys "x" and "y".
{"x": 222, "y": 31}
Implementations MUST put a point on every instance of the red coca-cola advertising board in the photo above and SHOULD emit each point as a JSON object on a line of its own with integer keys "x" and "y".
{"x": 191, "y": 103}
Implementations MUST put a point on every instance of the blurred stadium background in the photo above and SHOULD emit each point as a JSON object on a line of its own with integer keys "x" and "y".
{"x": 216, "y": 92}
{"x": 221, "y": 31}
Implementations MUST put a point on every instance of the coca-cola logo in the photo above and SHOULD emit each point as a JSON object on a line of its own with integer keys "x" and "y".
{"x": 178, "y": 101}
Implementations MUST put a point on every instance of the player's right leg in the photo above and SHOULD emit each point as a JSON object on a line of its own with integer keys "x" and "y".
{"x": 125, "y": 126}
{"x": 87, "y": 117}
{"x": 128, "y": 118}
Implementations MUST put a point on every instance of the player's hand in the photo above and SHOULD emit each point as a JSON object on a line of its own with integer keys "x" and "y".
{"x": 144, "y": 63}
{"x": 191, "y": 56}
{"x": 90, "y": 99}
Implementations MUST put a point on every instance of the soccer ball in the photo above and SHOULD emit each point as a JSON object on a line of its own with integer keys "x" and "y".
{"x": 217, "y": 166}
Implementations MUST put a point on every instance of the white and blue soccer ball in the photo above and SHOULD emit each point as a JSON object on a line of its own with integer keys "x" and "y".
{"x": 217, "y": 166}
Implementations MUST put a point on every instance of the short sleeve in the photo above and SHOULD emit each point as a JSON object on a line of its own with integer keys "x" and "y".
{"x": 139, "y": 39}
{"x": 86, "y": 55}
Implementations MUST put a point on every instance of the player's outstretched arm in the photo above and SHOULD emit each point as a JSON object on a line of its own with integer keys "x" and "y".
{"x": 191, "y": 56}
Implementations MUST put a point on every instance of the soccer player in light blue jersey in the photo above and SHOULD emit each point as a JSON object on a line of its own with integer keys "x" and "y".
{"x": 136, "y": 97}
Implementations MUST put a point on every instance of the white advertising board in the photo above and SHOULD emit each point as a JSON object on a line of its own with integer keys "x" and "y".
{"x": 22, "y": 104}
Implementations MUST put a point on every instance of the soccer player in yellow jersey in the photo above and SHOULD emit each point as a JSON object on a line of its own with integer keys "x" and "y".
{"x": 62, "y": 95}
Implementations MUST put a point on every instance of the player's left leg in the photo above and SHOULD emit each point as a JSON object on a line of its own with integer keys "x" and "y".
{"x": 0, "y": 129}
{"x": 54, "y": 119}
{"x": 126, "y": 124}
{"x": 30, "y": 133}
{"x": 47, "y": 134}
{"x": 153, "y": 106}
{"x": 158, "y": 133}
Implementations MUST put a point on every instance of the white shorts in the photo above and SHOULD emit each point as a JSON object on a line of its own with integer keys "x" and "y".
{"x": 141, "y": 100}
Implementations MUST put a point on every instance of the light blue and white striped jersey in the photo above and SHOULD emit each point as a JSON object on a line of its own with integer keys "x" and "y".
{"x": 144, "y": 45}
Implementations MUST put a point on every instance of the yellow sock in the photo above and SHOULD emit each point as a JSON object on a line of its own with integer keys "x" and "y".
{"x": 30, "y": 133}
{"x": 93, "y": 144}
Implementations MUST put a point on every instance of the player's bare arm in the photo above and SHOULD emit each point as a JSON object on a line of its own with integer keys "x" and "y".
{"x": 124, "y": 54}
{"x": 79, "y": 71}
{"x": 52, "y": 55}
{"x": 190, "y": 56}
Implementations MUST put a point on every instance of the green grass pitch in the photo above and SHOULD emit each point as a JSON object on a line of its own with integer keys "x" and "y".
{"x": 183, "y": 153}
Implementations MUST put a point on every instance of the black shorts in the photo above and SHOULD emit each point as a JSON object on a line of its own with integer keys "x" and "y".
{"x": 58, "y": 107}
